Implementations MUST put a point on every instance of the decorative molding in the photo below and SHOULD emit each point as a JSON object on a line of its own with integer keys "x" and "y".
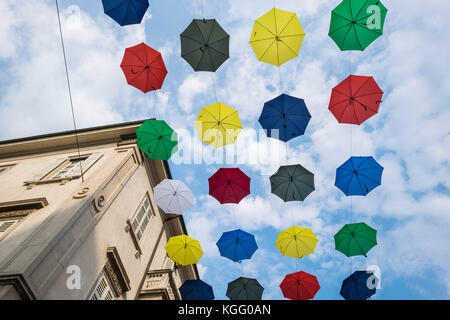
{"x": 19, "y": 283}
{"x": 160, "y": 281}
{"x": 21, "y": 208}
{"x": 116, "y": 272}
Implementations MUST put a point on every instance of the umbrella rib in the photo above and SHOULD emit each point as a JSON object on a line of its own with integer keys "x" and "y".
{"x": 121, "y": 3}
{"x": 354, "y": 112}
{"x": 362, "y": 85}
{"x": 201, "y": 33}
{"x": 137, "y": 75}
{"x": 360, "y": 9}
{"x": 130, "y": 51}
{"x": 126, "y": 13}
{"x": 256, "y": 21}
{"x": 279, "y": 33}
{"x": 262, "y": 56}
{"x": 369, "y": 178}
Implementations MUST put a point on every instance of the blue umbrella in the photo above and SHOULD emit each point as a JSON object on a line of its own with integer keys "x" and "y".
{"x": 361, "y": 285}
{"x": 196, "y": 290}
{"x": 125, "y": 12}
{"x": 237, "y": 245}
{"x": 286, "y": 114}
{"x": 358, "y": 176}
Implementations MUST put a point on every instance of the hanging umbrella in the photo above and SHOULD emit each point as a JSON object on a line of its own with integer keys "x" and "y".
{"x": 299, "y": 286}
{"x": 157, "y": 139}
{"x": 355, "y": 239}
{"x": 244, "y": 289}
{"x": 237, "y": 245}
{"x": 184, "y": 250}
{"x": 173, "y": 196}
{"x": 143, "y": 68}
{"x": 286, "y": 114}
{"x": 277, "y": 37}
{"x": 356, "y": 24}
{"x": 355, "y": 99}
{"x": 229, "y": 185}
{"x": 296, "y": 242}
{"x": 358, "y": 176}
{"x": 361, "y": 285}
{"x": 125, "y": 12}
{"x": 205, "y": 45}
{"x": 292, "y": 183}
{"x": 218, "y": 125}
{"x": 196, "y": 290}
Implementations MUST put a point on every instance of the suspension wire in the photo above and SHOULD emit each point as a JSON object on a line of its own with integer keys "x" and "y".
{"x": 203, "y": 9}
{"x": 214, "y": 86}
{"x": 70, "y": 91}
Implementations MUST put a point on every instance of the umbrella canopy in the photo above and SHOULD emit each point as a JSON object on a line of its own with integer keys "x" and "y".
{"x": 157, "y": 139}
{"x": 205, "y": 45}
{"x": 299, "y": 286}
{"x": 143, "y": 68}
{"x": 292, "y": 183}
{"x": 237, "y": 245}
{"x": 277, "y": 37}
{"x": 218, "y": 125}
{"x": 196, "y": 290}
{"x": 355, "y": 99}
{"x": 355, "y": 239}
{"x": 173, "y": 196}
{"x": 355, "y": 24}
{"x": 296, "y": 242}
{"x": 244, "y": 289}
{"x": 125, "y": 12}
{"x": 286, "y": 114}
{"x": 361, "y": 285}
{"x": 358, "y": 176}
{"x": 184, "y": 250}
{"x": 229, "y": 185}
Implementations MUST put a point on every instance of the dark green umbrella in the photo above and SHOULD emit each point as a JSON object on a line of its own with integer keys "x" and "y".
{"x": 157, "y": 139}
{"x": 357, "y": 23}
{"x": 355, "y": 239}
{"x": 292, "y": 183}
{"x": 205, "y": 45}
{"x": 244, "y": 289}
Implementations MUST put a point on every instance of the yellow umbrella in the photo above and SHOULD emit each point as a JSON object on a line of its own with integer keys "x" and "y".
{"x": 296, "y": 242}
{"x": 218, "y": 125}
{"x": 184, "y": 250}
{"x": 277, "y": 37}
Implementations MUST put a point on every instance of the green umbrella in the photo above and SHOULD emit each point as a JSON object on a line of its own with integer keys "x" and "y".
{"x": 292, "y": 183}
{"x": 355, "y": 239}
{"x": 357, "y": 23}
{"x": 156, "y": 139}
{"x": 244, "y": 289}
{"x": 205, "y": 45}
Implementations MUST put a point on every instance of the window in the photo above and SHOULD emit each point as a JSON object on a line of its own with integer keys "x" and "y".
{"x": 168, "y": 264}
{"x": 65, "y": 168}
{"x": 142, "y": 218}
{"x": 12, "y": 213}
{"x": 3, "y": 169}
{"x": 7, "y": 224}
{"x": 103, "y": 290}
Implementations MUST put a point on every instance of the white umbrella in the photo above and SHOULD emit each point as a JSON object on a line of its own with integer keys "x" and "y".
{"x": 173, "y": 196}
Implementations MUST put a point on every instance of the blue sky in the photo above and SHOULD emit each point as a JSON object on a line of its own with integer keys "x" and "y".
{"x": 409, "y": 137}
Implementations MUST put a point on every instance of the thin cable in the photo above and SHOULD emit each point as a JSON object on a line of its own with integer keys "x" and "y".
{"x": 214, "y": 86}
{"x": 203, "y": 9}
{"x": 281, "y": 83}
{"x": 70, "y": 91}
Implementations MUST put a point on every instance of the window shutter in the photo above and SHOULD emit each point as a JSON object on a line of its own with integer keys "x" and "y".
{"x": 85, "y": 165}
{"x": 6, "y": 225}
{"x": 50, "y": 167}
{"x": 102, "y": 290}
{"x": 168, "y": 264}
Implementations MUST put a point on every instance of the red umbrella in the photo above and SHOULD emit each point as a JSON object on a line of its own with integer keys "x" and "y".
{"x": 143, "y": 67}
{"x": 355, "y": 99}
{"x": 229, "y": 185}
{"x": 299, "y": 286}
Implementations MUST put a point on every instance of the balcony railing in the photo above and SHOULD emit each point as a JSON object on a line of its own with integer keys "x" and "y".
{"x": 161, "y": 281}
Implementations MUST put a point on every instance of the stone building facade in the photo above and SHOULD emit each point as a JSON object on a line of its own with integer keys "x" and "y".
{"x": 96, "y": 235}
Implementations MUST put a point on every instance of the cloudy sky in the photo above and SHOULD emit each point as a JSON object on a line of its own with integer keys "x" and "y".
{"x": 409, "y": 137}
